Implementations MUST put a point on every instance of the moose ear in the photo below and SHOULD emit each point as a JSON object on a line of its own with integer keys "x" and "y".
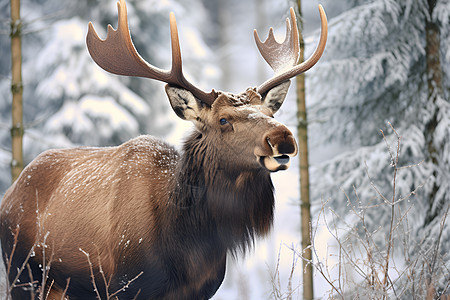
{"x": 275, "y": 96}
{"x": 183, "y": 103}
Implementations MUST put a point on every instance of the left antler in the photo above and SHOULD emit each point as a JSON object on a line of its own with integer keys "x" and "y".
{"x": 283, "y": 57}
{"x": 116, "y": 54}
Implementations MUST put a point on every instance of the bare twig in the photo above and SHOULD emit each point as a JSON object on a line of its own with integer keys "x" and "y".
{"x": 275, "y": 278}
{"x": 438, "y": 242}
{"x": 109, "y": 296}
{"x": 20, "y": 270}
{"x": 378, "y": 264}
{"x": 92, "y": 273}
{"x": 137, "y": 294}
{"x": 49, "y": 290}
{"x": 127, "y": 285}
{"x": 63, "y": 296}
{"x": 106, "y": 282}
{"x": 9, "y": 261}
{"x": 31, "y": 283}
{"x": 318, "y": 265}
{"x": 390, "y": 244}
{"x": 45, "y": 267}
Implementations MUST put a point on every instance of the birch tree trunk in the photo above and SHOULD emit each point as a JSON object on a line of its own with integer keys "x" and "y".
{"x": 302, "y": 131}
{"x": 16, "y": 89}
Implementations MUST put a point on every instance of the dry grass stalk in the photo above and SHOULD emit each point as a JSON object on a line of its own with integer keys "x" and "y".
{"x": 368, "y": 268}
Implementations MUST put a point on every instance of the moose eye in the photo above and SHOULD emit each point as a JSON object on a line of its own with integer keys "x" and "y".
{"x": 223, "y": 121}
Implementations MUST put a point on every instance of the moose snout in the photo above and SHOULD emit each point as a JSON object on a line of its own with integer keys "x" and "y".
{"x": 281, "y": 142}
{"x": 278, "y": 146}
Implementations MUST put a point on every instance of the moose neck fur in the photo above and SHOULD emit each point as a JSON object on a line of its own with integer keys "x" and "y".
{"x": 225, "y": 202}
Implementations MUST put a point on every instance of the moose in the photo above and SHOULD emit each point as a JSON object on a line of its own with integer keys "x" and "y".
{"x": 143, "y": 220}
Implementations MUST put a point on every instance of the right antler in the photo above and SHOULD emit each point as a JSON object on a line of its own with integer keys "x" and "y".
{"x": 117, "y": 54}
{"x": 283, "y": 57}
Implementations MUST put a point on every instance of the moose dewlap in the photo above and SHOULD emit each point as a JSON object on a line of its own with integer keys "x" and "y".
{"x": 142, "y": 220}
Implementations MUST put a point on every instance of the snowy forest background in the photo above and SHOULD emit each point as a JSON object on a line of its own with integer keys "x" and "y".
{"x": 374, "y": 72}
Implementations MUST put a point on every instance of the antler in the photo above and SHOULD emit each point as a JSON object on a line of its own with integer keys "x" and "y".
{"x": 117, "y": 54}
{"x": 283, "y": 57}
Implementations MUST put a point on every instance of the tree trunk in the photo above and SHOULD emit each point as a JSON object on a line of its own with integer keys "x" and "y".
{"x": 16, "y": 89}
{"x": 302, "y": 131}
{"x": 435, "y": 90}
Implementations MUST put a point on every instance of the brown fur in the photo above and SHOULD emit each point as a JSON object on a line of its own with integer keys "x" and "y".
{"x": 144, "y": 207}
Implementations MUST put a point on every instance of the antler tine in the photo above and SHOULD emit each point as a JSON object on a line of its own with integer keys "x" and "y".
{"x": 280, "y": 56}
{"x": 176, "y": 72}
{"x": 176, "y": 50}
{"x": 117, "y": 54}
{"x": 275, "y": 52}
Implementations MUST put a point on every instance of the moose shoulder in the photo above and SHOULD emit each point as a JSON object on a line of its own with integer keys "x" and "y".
{"x": 142, "y": 220}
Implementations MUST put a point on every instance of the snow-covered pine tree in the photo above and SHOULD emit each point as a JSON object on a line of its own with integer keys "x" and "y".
{"x": 69, "y": 100}
{"x": 377, "y": 70}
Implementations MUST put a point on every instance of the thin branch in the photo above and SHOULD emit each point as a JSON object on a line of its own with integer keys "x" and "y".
{"x": 438, "y": 242}
{"x": 63, "y": 296}
{"x": 49, "y": 289}
{"x": 92, "y": 273}
{"x": 20, "y": 270}
{"x": 391, "y": 226}
{"x": 9, "y": 260}
{"x": 106, "y": 282}
{"x": 45, "y": 267}
{"x": 31, "y": 283}
{"x": 126, "y": 285}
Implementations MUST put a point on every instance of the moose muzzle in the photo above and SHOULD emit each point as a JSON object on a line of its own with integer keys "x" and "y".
{"x": 278, "y": 146}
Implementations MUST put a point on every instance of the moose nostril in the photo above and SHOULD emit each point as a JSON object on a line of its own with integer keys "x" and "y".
{"x": 286, "y": 148}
